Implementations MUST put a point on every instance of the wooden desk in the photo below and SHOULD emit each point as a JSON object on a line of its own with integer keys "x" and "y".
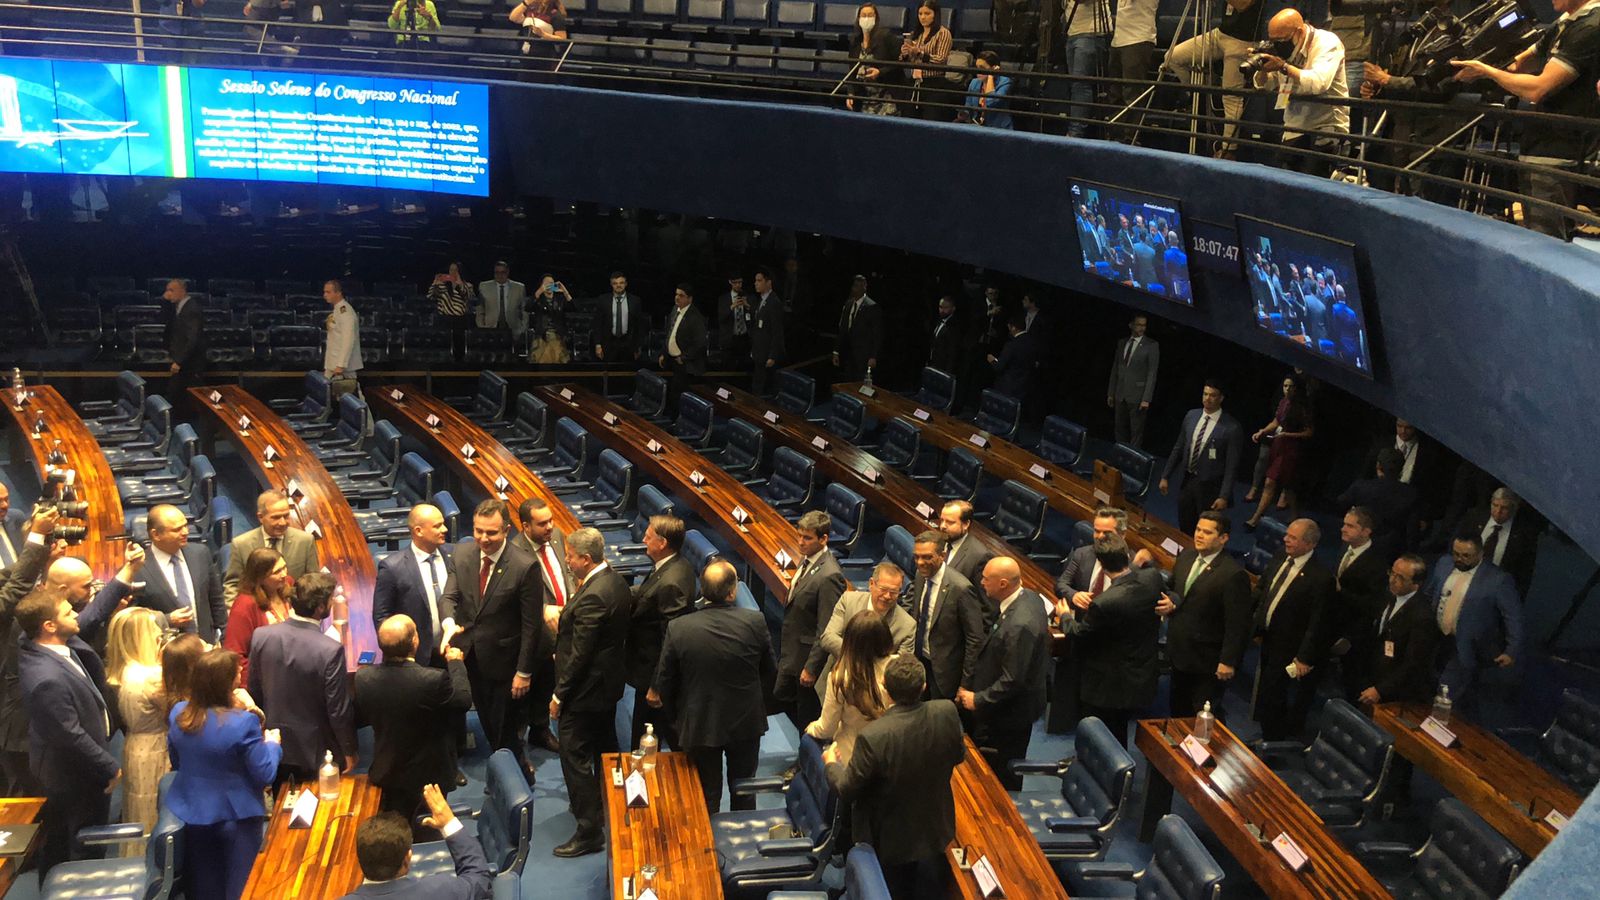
{"x": 988, "y": 822}
{"x": 673, "y": 833}
{"x": 1066, "y": 492}
{"x": 1236, "y": 790}
{"x": 316, "y": 863}
{"x": 763, "y": 535}
{"x": 102, "y": 547}
{"x": 1483, "y": 772}
{"x": 19, "y": 811}
{"x": 342, "y": 548}
{"x": 493, "y": 460}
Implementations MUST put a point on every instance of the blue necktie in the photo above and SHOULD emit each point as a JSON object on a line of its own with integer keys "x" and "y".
{"x": 180, "y": 586}
{"x": 922, "y": 619}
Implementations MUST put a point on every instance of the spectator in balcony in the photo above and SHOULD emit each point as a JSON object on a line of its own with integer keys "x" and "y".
{"x": 502, "y": 304}
{"x": 267, "y": 12}
{"x": 413, "y": 21}
{"x": 1087, "y": 24}
{"x": 989, "y": 94}
{"x": 333, "y": 13}
{"x": 1312, "y": 67}
{"x": 1243, "y": 23}
{"x": 543, "y": 20}
{"x": 929, "y": 43}
{"x": 873, "y": 50}
{"x": 548, "y": 325}
{"x": 452, "y": 298}
{"x": 187, "y": 20}
{"x": 1133, "y": 43}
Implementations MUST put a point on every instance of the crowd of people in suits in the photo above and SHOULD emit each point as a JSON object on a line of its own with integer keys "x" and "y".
{"x": 1132, "y": 250}
{"x": 1309, "y": 306}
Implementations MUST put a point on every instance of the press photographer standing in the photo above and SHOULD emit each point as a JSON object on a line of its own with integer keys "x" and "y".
{"x": 1312, "y": 65}
{"x": 1571, "y": 52}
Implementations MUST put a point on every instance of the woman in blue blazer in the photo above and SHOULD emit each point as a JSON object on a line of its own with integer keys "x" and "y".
{"x": 223, "y": 762}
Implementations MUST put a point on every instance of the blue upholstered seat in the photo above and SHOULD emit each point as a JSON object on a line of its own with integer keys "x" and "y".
{"x": 1463, "y": 858}
{"x": 1076, "y": 821}
{"x": 1343, "y": 770}
{"x": 152, "y": 876}
{"x": 1180, "y": 869}
{"x": 807, "y": 817}
{"x": 505, "y": 823}
{"x": 998, "y": 414}
{"x": 936, "y": 389}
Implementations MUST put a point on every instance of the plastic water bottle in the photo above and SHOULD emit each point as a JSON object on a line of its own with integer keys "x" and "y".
{"x": 328, "y": 779}
{"x": 1441, "y": 706}
{"x": 1203, "y": 723}
{"x": 649, "y": 745}
{"x": 868, "y": 380}
{"x": 17, "y": 381}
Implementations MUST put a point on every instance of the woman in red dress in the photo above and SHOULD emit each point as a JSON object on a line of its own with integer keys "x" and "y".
{"x": 1288, "y": 431}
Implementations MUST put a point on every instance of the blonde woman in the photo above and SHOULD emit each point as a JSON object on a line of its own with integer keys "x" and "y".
{"x": 855, "y": 694}
{"x": 133, "y": 665}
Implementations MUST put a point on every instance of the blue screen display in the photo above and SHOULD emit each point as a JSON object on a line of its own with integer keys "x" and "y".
{"x": 1133, "y": 239}
{"x": 1306, "y": 289}
{"x": 179, "y": 122}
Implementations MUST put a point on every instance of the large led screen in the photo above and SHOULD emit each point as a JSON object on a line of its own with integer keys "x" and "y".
{"x": 1133, "y": 239}
{"x": 179, "y": 122}
{"x": 1307, "y": 290}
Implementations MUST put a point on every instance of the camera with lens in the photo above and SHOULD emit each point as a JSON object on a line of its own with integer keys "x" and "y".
{"x": 1259, "y": 52}
{"x": 67, "y": 509}
{"x": 1493, "y": 33}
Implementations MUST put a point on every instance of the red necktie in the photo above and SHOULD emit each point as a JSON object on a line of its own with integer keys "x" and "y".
{"x": 1099, "y": 583}
{"x": 554, "y": 571}
{"x": 483, "y": 575}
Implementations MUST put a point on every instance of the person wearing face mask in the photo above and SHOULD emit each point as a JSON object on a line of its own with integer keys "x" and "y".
{"x": 1311, "y": 65}
{"x": 872, "y": 48}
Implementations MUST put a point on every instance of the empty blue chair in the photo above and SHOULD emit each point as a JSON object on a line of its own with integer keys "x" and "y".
{"x": 649, "y": 398}
{"x": 451, "y": 512}
{"x": 936, "y": 389}
{"x": 413, "y": 485}
{"x": 568, "y": 457}
{"x": 898, "y": 445}
{"x": 847, "y": 511}
{"x": 1020, "y": 516}
{"x": 797, "y": 391}
{"x": 309, "y": 416}
{"x": 169, "y": 485}
{"x": 608, "y": 501}
{"x": 122, "y": 414}
{"x": 847, "y": 417}
{"x": 1062, "y": 442}
{"x": 375, "y": 480}
{"x": 148, "y": 453}
{"x": 698, "y": 550}
{"x": 1571, "y": 745}
{"x": 528, "y": 429}
{"x": 488, "y": 403}
{"x": 1343, "y": 773}
{"x": 1180, "y": 869}
{"x": 998, "y": 414}
{"x": 792, "y": 482}
{"x": 1463, "y": 857}
{"x": 1137, "y": 468}
{"x": 1269, "y": 543}
{"x": 505, "y": 823}
{"x": 1076, "y": 821}
{"x": 898, "y": 546}
{"x": 152, "y": 876}
{"x": 963, "y": 472}
{"x": 751, "y": 858}
{"x": 741, "y": 454}
{"x": 863, "y": 879}
{"x": 342, "y": 445}
{"x": 693, "y": 425}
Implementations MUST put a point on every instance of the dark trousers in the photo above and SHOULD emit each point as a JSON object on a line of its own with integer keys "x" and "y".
{"x": 681, "y": 381}
{"x": 585, "y": 734}
{"x": 1130, "y": 422}
{"x": 645, "y": 714}
{"x": 538, "y": 697}
{"x": 1191, "y": 691}
{"x": 498, "y": 713}
{"x": 65, "y": 813}
{"x": 742, "y": 758}
{"x": 1116, "y": 719}
{"x": 1293, "y": 157}
{"x": 917, "y": 879}
{"x": 218, "y": 858}
{"x": 1130, "y": 61}
{"x": 1002, "y": 745}
{"x": 805, "y": 708}
{"x": 758, "y": 377}
{"x": 1194, "y": 498}
{"x": 1282, "y": 702}
{"x": 18, "y": 775}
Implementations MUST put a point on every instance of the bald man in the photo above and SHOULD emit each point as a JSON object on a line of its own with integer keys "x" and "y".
{"x": 76, "y": 582}
{"x": 411, "y": 580}
{"x": 179, "y": 576}
{"x": 1312, "y": 65}
{"x": 1008, "y": 679}
{"x": 411, "y": 709}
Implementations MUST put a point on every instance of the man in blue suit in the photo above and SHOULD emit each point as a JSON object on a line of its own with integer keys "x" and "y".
{"x": 298, "y": 676}
{"x": 1479, "y": 614}
{"x": 383, "y": 847}
{"x": 1205, "y": 457}
{"x": 411, "y": 581}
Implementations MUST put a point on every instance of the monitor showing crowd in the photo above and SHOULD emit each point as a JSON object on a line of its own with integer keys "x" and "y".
{"x": 1306, "y": 290}
{"x": 1132, "y": 238}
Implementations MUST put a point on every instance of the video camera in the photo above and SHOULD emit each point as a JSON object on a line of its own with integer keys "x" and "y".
{"x": 1493, "y": 33}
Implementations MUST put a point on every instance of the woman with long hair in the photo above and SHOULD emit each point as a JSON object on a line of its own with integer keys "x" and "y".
{"x": 1289, "y": 430}
{"x": 224, "y": 761}
{"x": 930, "y": 43}
{"x": 177, "y": 666}
{"x": 452, "y": 303}
{"x": 877, "y": 71}
{"x": 133, "y": 665}
{"x": 855, "y": 694}
{"x": 263, "y": 600}
{"x": 551, "y": 303}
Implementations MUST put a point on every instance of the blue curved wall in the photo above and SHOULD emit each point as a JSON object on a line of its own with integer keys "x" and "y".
{"x": 1489, "y": 333}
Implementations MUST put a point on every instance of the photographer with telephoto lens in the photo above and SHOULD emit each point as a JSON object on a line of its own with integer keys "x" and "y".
{"x": 1299, "y": 61}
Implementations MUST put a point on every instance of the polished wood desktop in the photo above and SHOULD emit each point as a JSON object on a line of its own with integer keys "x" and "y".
{"x": 1511, "y": 792}
{"x": 756, "y": 543}
{"x": 102, "y": 547}
{"x": 673, "y": 833}
{"x": 1236, "y": 791}
{"x": 1067, "y": 493}
{"x": 988, "y": 824}
{"x": 342, "y": 548}
{"x": 491, "y": 462}
{"x": 316, "y": 863}
{"x": 18, "y": 811}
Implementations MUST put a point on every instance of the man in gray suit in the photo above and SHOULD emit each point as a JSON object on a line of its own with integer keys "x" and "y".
{"x": 298, "y": 548}
{"x": 502, "y": 303}
{"x": 1133, "y": 381}
{"x": 881, "y": 596}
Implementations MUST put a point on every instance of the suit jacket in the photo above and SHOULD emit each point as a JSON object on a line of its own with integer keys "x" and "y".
{"x": 297, "y": 674}
{"x": 1428, "y": 473}
{"x": 1522, "y": 544}
{"x": 186, "y": 335}
{"x": 210, "y": 606}
{"x": 726, "y": 317}
{"x": 1394, "y": 512}
{"x": 15, "y": 583}
{"x": 1116, "y": 641}
{"x": 956, "y": 634}
{"x": 1008, "y": 678}
{"x": 1363, "y": 592}
{"x": 715, "y": 675}
{"x": 902, "y": 628}
{"x": 221, "y": 769}
{"x": 1135, "y": 380}
{"x": 590, "y": 643}
{"x": 1015, "y": 365}
{"x": 1406, "y": 674}
{"x": 68, "y": 729}
{"x": 969, "y": 559}
{"x": 1219, "y": 455}
{"x": 666, "y": 593}
{"x": 1076, "y": 572}
{"x": 948, "y": 346}
{"x": 811, "y": 602}
{"x": 898, "y": 781}
{"x": 1212, "y": 622}
{"x": 619, "y": 347}
{"x": 1297, "y": 629}
{"x": 558, "y": 540}
{"x": 861, "y": 340}
{"x": 693, "y": 340}
{"x": 501, "y": 628}
{"x": 1489, "y": 623}
{"x": 299, "y": 550}
{"x": 400, "y": 591}
{"x": 488, "y": 313}
{"x": 410, "y": 708}
{"x": 766, "y": 328}
{"x": 473, "y": 879}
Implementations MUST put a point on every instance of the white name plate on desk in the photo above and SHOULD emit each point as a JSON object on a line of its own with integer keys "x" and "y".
{"x": 724, "y": 394}
{"x": 244, "y": 424}
{"x": 432, "y": 420}
{"x": 567, "y": 394}
{"x": 1555, "y": 819}
{"x": 1196, "y": 751}
{"x": 1039, "y": 472}
{"x": 1171, "y": 546}
{"x": 1103, "y": 498}
{"x": 696, "y": 478}
{"x": 304, "y": 811}
{"x": 821, "y": 443}
{"x": 871, "y": 475}
{"x": 1432, "y": 728}
{"x": 638, "y": 793}
{"x": 653, "y": 446}
{"x": 924, "y": 510}
{"x": 921, "y": 414}
{"x": 313, "y": 529}
{"x": 609, "y": 419}
{"x": 770, "y": 416}
{"x": 988, "y": 883}
{"x": 979, "y": 441}
{"x": 740, "y": 516}
{"x": 397, "y": 395}
{"x": 216, "y": 397}
{"x": 867, "y": 391}
{"x": 1290, "y": 851}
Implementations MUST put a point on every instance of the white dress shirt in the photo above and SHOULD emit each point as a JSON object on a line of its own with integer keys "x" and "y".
{"x": 1452, "y": 596}
{"x": 434, "y": 561}
{"x": 1505, "y": 537}
{"x": 672, "y": 336}
{"x": 1296, "y": 563}
{"x": 164, "y": 564}
{"x": 1408, "y": 449}
{"x": 1321, "y": 65}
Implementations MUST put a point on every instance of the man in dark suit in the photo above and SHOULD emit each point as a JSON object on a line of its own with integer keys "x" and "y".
{"x": 813, "y": 593}
{"x": 665, "y": 594}
{"x": 1422, "y": 465}
{"x": 412, "y": 710}
{"x": 860, "y": 339}
{"x": 733, "y": 322}
{"x": 1205, "y": 458}
{"x": 383, "y": 848}
{"x": 1362, "y": 580}
{"x": 1008, "y": 680}
{"x": 297, "y": 674}
{"x": 897, "y": 783}
{"x": 179, "y": 575}
{"x": 542, "y": 538}
{"x": 186, "y": 339}
{"x": 1115, "y": 635}
{"x": 686, "y": 342}
{"x": 1208, "y": 618}
{"x": 1291, "y": 602}
{"x": 493, "y": 606}
{"x": 1510, "y": 542}
{"x": 620, "y": 326}
{"x": 1133, "y": 381}
{"x": 765, "y": 323}
{"x": 966, "y": 555}
{"x": 1479, "y": 615}
{"x": 950, "y": 621}
{"x": 1389, "y": 502}
{"x": 591, "y": 632}
{"x": 15, "y": 583}
{"x": 1018, "y": 360}
{"x": 411, "y": 583}
{"x": 1401, "y": 663}
{"x": 69, "y": 726}
{"x": 11, "y": 530}
{"x": 715, "y": 675}
{"x": 948, "y": 345}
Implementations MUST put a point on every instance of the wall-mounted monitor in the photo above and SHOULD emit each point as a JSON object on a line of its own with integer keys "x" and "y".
{"x": 1306, "y": 289}
{"x": 1132, "y": 238}
{"x": 95, "y": 118}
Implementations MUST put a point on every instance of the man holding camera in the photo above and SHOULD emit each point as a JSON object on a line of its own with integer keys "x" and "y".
{"x": 1308, "y": 62}
{"x": 1571, "y": 52}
